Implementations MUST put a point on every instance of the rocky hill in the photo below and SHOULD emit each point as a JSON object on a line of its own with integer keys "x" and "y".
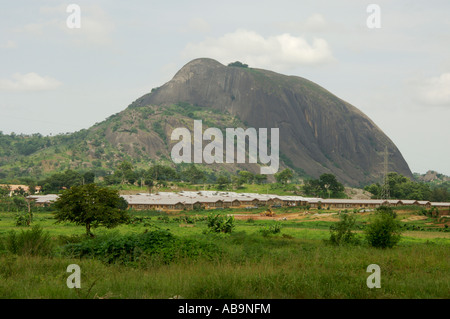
{"x": 319, "y": 132}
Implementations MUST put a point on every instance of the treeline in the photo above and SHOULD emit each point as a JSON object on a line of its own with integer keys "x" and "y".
{"x": 157, "y": 175}
{"x": 401, "y": 187}
{"x": 160, "y": 175}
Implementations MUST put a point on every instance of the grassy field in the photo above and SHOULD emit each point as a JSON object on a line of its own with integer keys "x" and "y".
{"x": 296, "y": 263}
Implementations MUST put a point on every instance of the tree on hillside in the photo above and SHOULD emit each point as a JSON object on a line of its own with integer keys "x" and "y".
{"x": 126, "y": 172}
{"x": 401, "y": 187}
{"x": 88, "y": 178}
{"x": 247, "y": 176}
{"x": 158, "y": 173}
{"x": 193, "y": 174}
{"x": 223, "y": 181}
{"x": 327, "y": 185}
{"x": 238, "y": 64}
{"x": 260, "y": 178}
{"x": 58, "y": 181}
{"x": 237, "y": 181}
{"x": 284, "y": 176}
{"x": 91, "y": 206}
{"x": 328, "y": 182}
{"x": 440, "y": 194}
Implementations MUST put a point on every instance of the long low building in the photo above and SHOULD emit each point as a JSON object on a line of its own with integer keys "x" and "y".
{"x": 172, "y": 201}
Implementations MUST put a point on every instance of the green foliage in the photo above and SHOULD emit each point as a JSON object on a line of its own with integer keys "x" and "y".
{"x": 223, "y": 181}
{"x": 22, "y": 219}
{"x": 33, "y": 242}
{"x": 158, "y": 128}
{"x": 220, "y": 224}
{"x": 58, "y": 181}
{"x": 247, "y": 177}
{"x": 271, "y": 229}
{"x": 341, "y": 231}
{"x": 238, "y": 64}
{"x": 326, "y": 186}
{"x": 401, "y": 187}
{"x": 284, "y": 176}
{"x": 126, "y": 249}
{"x": 440, "y": 194}
{"x": 260, "y": 178}
{"x": 193, "y": 174}
{"x": 384, "y": 231}
{"x": 20, "y": 203}
{"x": 92, "y": 206}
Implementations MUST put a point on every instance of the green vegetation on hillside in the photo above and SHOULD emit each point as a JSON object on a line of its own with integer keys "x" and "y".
{"x": 401, "y": 187}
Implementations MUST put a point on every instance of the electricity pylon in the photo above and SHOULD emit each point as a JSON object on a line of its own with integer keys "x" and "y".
{"x": 385, "y": 187}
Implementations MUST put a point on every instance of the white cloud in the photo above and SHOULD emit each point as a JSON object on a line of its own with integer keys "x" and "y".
{"x": 435, "y": 90}
{"x": 280, "y": 52}
{"x": 29, "y": 82}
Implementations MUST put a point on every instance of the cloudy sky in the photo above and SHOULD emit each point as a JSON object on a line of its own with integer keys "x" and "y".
{"x": 54, "y": 79}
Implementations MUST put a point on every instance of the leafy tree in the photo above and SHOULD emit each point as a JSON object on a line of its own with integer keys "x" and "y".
{"x": 91, "y": 206}
{"x": 89, "y": 177}
{"x": 284, "y": 176}
{"x": 260, "y": 178}
{"x": 329, "y": 182}
{"x": 248, "y": 177}
{"x": 58, "y": 181}
{"x": 440, "y": 194}
{"x": 126, "y": 173}
{"x": 222, "y": 181}
{"x": 327, "y": 185}
{"x": 238, "y": 64}
{"x": 312, "y": 187}
{"x": 237, "y": 181}
{"x": 160, "y": 172}
{"x": 20, "y": 203}
{"x": 384, "y": 231}
{"x": 193, "y": 174}
{"x": 401, "y": 187}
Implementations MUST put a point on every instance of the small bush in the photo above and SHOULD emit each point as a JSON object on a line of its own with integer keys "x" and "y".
{"x": 271, "y": 229}
{"x": 129, "y": 249}
{"x": 384, "y": 231}
{"x": 22, "y": 220}
{"x": 220, "y": 224}
{"x": 33, "y": 242}
{"x": 341, "y": 232}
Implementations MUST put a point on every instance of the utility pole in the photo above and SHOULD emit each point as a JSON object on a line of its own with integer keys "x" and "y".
{"x": 385, "y": 187}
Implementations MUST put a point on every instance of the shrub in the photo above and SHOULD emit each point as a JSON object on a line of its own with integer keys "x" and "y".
{"x": 275, "y": 228}
{"x": 33, "y": 242}
{"x": 384, "y": 231}
{"x": 126, "y": 249}
{"x": 22, "y": 219}
{"x": 220, "y": 224}
{"x": 341, "y": 231}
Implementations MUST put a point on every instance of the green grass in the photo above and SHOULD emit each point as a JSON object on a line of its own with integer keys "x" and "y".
{"x": 296, "y": 263}
{"x": 254, "y": 268}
